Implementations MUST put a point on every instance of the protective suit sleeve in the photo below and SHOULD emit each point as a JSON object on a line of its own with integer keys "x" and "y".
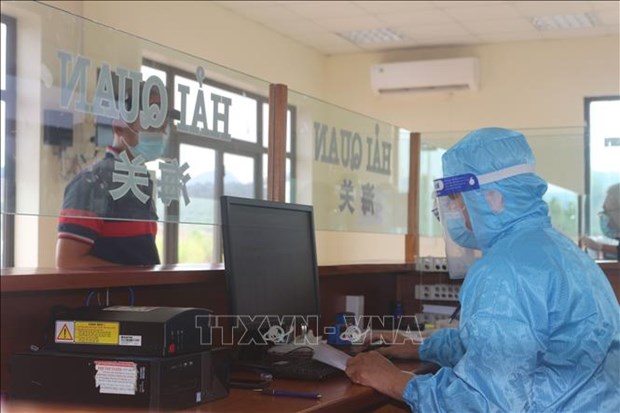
{"x": 494, "y": 374}
{"x": 443, "y": 348}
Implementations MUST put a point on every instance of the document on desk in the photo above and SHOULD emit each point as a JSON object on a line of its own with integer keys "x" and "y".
{"x": 330, "y": 355}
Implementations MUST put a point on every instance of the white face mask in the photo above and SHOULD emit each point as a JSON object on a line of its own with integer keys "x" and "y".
{"x": 151, "y": 145}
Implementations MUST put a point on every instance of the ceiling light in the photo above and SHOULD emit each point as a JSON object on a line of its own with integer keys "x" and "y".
{"x": 385, "y": 35}
{"x": 564, "y": 21}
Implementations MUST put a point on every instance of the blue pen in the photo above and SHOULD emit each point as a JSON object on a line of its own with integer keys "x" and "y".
{"x": 289, "y": 393}
{"x": 456, "y": 312}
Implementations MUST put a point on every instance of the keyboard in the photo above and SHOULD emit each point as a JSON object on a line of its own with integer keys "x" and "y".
{"x": 302, "y": 369}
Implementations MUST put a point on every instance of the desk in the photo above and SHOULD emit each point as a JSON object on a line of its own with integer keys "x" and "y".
{"x": 338, "y": 395}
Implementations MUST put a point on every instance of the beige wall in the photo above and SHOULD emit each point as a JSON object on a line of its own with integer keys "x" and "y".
{"x": 523, "y": 85}
{"x": 210, "y": 32}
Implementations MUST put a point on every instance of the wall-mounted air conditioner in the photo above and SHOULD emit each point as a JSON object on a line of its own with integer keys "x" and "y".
{"x": 425, "y": 75}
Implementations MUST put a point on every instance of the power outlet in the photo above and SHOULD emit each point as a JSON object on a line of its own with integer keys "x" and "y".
{"x": 437, "y": 292}
{"x": 424, "y": 264}
{"x": 432, "y": 264}
{"x": 440, "y": 264}
{"x": 424, "y": 292}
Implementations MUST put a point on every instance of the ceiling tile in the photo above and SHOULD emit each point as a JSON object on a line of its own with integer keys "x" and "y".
{"x": 509, "y": 37}
{"x": 605, "y": 5}
{"x": 466, "y": 4}
{"x": 548, "y": 8}
{"x": 492, "y": 11}
{"x": 325, "y": 9}
{"x": 607, "y": 18}
{"x": 345, "y": 24}
{"x": 395, "y": 6}
{"x": 499, "y": 26}
{"x": 449, "y": 41}
{"x": 268, "y": 14}
{"x": 428, "y": 30}
{"x": 425, "y": 23}
{"x": 330, "y": 43}
{"x": 239, "y": 5}
{"x": 422, "y": 17}
{"x": 299, "y": 27}
{"x": 565, "y": 34}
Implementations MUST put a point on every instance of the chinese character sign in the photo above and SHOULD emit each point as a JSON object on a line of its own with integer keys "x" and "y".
{"x": 355, "y": 177}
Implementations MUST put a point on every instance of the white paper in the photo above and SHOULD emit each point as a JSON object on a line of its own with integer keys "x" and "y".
{"x": 329, "y": 355}
{"x": 116, "y": 377}
{"x": 438, "y": 309}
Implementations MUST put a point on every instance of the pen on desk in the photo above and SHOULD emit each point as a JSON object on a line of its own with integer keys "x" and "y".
{"x": 288, "y": 393}
{"x": 456, "y": 312}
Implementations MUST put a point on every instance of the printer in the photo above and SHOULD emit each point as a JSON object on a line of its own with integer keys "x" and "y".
{"x": 159, "y": 358}
{"x": 145, "y": 331}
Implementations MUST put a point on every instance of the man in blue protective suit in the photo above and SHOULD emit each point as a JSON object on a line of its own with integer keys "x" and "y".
{"x": 539, "y": 326}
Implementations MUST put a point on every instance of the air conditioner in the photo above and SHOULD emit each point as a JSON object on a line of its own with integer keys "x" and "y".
{"x": 425, "y": 75}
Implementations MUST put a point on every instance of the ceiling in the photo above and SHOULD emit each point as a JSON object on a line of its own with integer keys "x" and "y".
{"x": 425, "y": 23}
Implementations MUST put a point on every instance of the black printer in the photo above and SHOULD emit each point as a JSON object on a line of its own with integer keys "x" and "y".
{"x": 143, "y": 357}
{"x": 145, "y": 331}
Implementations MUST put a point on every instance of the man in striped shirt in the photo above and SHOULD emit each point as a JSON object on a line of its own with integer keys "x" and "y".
{"x": 102, "y": 224}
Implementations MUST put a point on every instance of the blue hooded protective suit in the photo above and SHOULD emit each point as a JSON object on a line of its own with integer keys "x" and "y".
{"x": 540, "y": 325}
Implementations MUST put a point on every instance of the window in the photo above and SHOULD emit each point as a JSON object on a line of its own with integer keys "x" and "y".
{"x": 602, "y": 145}
{"x": 7, "y": 139}
{"x": 218, "y": 167}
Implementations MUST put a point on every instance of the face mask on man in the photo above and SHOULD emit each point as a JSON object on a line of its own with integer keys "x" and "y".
{"x": 151, "y": 145}
{"x": 607, "y": 227}
{"x": 455, "y": 225}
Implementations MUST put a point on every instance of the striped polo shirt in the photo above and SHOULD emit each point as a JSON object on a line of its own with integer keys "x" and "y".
{"x": 121, "y": 231}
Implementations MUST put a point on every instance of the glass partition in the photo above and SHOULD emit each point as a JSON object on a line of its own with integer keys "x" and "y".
{"x": 99, "y": 125}
{"x": 559, "y": 160}
{"x": 172, "y": 133}
{"x": 352, "y": 168}
{"x": 113, "y": 136}
{"x": 603, "y": 176}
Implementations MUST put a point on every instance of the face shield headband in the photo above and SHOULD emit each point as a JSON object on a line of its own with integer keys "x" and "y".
{"x": 450, "y": 209}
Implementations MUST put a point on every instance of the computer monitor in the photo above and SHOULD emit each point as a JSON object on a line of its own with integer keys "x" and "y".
{"x": 270, "y": 260}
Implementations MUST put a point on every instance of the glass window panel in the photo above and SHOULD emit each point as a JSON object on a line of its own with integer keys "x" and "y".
{"x": 44, "y": 170}
{"x": 148, "y": 71}
{"x": 287, "y": 182}
{"x": 242, "y": 115}
{"x": 2, "y": 180}
{"x": 2, "y": 139}
{"x": 604, "y": 154}
{"x": 563, "y": 210}
{"x": 201, "y": 186}
{"x": 195, "y": 241}
{"x": 239, "y": 176}
{"x": 3, "y": 58}
{"x": 266, "y": 127}
{"x": 265, "y": 172}
{"x": 430, "y": 169}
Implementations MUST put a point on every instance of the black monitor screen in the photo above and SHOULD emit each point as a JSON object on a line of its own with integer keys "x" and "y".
{"x": 270, "y": 257}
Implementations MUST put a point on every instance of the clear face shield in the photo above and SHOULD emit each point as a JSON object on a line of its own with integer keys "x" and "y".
{"x": 450, "y": 209}
{"x": 462, "y": 249}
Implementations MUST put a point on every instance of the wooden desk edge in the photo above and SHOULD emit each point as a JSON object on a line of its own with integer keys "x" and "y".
{"x": 49, "y": 279}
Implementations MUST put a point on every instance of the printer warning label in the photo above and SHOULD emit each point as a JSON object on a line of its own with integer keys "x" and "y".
{"x": 96, "y": 332}
{"x": 64, "y": 332}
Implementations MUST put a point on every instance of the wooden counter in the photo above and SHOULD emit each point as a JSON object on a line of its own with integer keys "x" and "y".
{"x": 338, "y": 393}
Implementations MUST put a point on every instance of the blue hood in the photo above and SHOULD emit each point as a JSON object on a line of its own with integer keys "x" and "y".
{"x": 489, "y": 150}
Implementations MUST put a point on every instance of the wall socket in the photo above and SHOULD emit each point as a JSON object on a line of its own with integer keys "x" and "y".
{"x": 431, "y": 264}
{"x": 437, "y": 292}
